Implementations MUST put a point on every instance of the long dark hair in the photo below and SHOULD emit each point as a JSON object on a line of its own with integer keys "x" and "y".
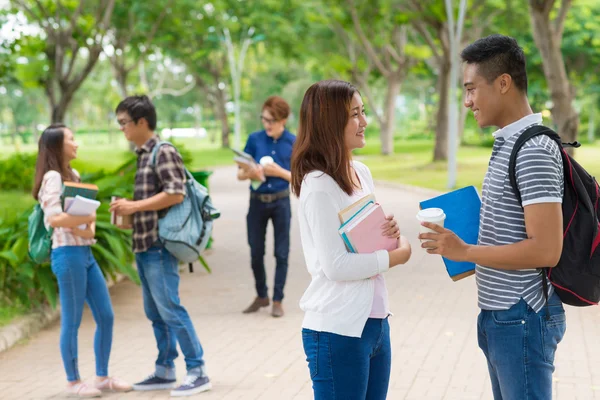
{"x": 51, "y": 157}
{"x": 320, "y": 144}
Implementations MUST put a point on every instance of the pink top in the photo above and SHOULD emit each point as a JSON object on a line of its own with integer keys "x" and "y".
{"x": 380, "y": 308}
{"x": 50, "y": 201}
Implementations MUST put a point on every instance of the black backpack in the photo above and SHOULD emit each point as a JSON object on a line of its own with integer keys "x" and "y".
{"x": 576, "y": 277}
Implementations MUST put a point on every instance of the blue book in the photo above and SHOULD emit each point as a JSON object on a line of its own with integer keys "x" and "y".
{"x": 462, "y": 208}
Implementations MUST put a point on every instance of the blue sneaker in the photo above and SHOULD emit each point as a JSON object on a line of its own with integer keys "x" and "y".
{"x": 154, "y": 382}
{"x": 192, "y": 384}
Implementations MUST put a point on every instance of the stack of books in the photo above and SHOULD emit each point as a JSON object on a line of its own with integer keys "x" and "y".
{"x": 361, "y": 227}
{"x": 72, "y": 189}
{"x": 462, "y": 208}
{"x": 79, "y": 199}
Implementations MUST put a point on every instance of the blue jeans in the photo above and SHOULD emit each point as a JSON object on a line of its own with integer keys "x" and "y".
{"x": 349, "y": 368}
{"x": 159, "y": 275}
{"x": 257, "y": 219}
{"x": 519, "y": 345}
{"x": 80, "y": 280}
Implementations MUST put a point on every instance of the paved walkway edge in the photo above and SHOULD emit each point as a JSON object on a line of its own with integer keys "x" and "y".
{"x": 28, "y": 325}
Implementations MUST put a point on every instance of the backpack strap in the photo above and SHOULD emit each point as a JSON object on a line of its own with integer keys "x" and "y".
{"x": 530, "y": 133}
{"x": 154, "y": 154}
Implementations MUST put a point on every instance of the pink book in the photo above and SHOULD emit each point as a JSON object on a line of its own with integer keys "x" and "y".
{"x": 364, "y": 234}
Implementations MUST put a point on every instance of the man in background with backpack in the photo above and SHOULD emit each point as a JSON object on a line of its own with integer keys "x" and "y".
{"x": 156, "y": 189}
{"x": 517, "y": 331}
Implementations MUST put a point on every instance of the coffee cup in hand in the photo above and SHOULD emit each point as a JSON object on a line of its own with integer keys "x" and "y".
{"x": 266, "y": 160}
{"x": 120, "y": 220}
{"x": 432, "y": 215}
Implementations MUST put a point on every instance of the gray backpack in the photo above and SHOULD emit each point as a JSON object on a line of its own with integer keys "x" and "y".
{"x": 186, "y": 227}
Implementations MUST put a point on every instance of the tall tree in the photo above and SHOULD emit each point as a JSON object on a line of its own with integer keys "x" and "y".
{"x": 74, "y": 34}
{"x": 135, "y": 25}
{"x": 548, "y": 34}
{"x": 383, "y": 38}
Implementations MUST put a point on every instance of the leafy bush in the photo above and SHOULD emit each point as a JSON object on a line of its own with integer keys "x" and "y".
{"x": 17, "y": 172}
{"x": 25, "y": 284}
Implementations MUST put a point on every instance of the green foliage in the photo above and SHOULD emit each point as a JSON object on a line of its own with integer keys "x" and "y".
{"x": 24, "y": 284}
{"x": 17, "y": 172}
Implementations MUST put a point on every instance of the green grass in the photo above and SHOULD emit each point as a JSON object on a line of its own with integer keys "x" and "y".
{"x": 412, "y": 164}
{"x": 13, "y": 203}
{"x": 9, "y": 313}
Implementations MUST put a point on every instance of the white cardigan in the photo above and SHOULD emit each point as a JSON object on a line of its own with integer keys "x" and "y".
{"x": 340, "y": 295}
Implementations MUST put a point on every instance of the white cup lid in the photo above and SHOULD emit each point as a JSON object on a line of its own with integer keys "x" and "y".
{"x": 431, "y": 214}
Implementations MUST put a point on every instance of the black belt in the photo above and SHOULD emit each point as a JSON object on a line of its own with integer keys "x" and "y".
{"x": 270, "y": 197}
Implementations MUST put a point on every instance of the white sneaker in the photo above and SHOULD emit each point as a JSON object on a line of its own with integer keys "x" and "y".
{"x": 82, "y": 390}
{"x": 112, "y": 384}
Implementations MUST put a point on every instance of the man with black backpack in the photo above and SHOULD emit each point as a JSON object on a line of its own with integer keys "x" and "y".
{"x": 522, "y": 319}
{"x": 159, "y": 185}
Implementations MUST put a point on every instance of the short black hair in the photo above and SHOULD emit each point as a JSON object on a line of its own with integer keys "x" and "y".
{"x": 139, "y": 107}
{"x": 496, "y": 55}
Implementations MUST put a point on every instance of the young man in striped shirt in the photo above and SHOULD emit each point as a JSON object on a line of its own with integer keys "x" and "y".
{"x": 516, "y": 332}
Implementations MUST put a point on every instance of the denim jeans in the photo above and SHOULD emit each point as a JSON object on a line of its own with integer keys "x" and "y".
{"x": 257, "y": 219}
{"x": 519, "y": 345}
{"x": 159, "y": 275}
{"x": 349, "y": 368}
{"x": 80, "y": 280}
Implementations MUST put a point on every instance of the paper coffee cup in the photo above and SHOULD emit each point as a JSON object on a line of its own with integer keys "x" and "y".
{"x": 266, "y": 160}
{"x": 433, "y": 215}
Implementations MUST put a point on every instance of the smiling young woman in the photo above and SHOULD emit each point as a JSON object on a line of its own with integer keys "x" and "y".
{"x": 345, "y": 331}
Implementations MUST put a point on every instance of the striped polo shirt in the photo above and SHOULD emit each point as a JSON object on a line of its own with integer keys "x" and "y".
{"x": 539, "y": 174}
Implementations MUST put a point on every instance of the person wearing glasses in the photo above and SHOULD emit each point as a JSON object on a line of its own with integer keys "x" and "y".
{"x": 272, "y": 150}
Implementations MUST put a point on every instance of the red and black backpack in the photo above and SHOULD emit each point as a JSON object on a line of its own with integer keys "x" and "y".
{"x": 576, "y": 277}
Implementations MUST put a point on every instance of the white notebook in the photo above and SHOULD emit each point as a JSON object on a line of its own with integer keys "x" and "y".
{"x": 80, "y": 206}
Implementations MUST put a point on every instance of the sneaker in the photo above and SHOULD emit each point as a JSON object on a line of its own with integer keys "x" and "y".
{"x": 82, "y": 390}
{"x": 112, "y": 384}
{"x": 154, "y": 382}
{"x": 192, "y": 384}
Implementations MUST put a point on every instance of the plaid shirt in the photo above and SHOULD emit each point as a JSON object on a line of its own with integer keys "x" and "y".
{"x": 169, "y": 177}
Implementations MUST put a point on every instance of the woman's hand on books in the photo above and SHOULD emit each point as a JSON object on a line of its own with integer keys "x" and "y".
{"x": 402, "y": 254}
{"x": 390, "y": 228}
{"x": 443, "y": 242}
{"x": 88, "y": 233}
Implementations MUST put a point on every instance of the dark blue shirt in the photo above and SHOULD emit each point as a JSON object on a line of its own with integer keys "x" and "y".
{"x": 260, "y": 144}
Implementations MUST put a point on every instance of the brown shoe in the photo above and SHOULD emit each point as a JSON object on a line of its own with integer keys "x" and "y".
{"x": 277, "y": 309}
{"x": 257, "y": 304}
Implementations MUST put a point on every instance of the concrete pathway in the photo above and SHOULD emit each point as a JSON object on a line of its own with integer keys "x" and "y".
{"x": 435, "y": 353}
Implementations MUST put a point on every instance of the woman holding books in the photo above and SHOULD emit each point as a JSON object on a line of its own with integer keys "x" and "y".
{"x": 79, "y": 277}
{"x": 271, "y": 151}
{"x": 345, "y": 329}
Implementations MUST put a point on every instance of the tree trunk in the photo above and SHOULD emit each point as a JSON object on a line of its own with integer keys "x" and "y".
{"x": 221, "y": 100}
{"x": 121, "y": 75}
{"x": 440, "y": 151}
{"x": 389, "y": 114}
{"x": 462, "y": 119}
{"x": 548, "y": 41}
